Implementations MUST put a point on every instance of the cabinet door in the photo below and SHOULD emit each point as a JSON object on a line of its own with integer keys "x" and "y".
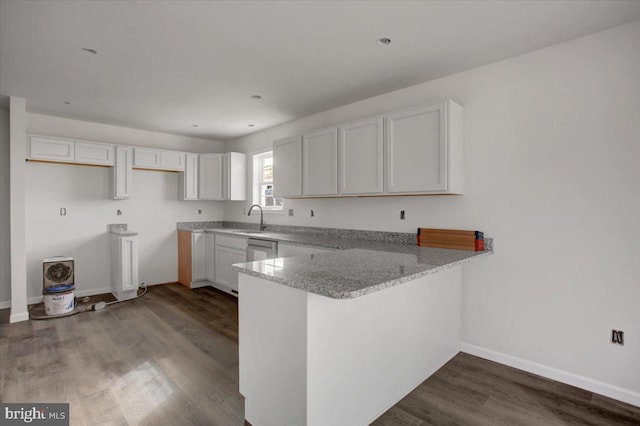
{"x": 416, "y": 150}
{"x": 287, "y": 167}
{"x": 188, "y": 186}
{"x": 211, "y": 177}
{"x": 51, "y": 149}
{"x": 94, "y": 153}
{"x": 146, "y": 158}
{"x": 237, "y": 256}
{"x": 223, "y": 266}
{"x": 320, "y": 162}
{"x": 198, "y": 256}
{"x": 360, "y": 157}
{"x": 225, "y": 258}
{"x": 122, "y": 173}
{"x": 211, "y": 257}
{"x": 172, "y": 160}
{"x": 236, "y": 176}
{"x": 129, "y": 259}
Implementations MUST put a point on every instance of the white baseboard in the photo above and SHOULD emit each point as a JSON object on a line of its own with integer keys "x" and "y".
{"x": 19, "y": 317}
{"x": 6, "y": 304}
{"x": 595, "y": 386}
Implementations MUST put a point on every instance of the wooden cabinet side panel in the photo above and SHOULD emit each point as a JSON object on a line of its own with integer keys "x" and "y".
{"x": 184, "y": 258}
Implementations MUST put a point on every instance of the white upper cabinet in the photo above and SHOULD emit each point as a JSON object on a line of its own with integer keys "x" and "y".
{"x": 95, "y": 153}
{"x": 51, "y": 149}
{"x": 235, "y": 176}
{"x": 149, "y": 158}
{"x": 172, "y": 160}
{"x": 360, "y": 157}
{"x": 210, "y": 177}
{"x": 146, "y": 158}
{"x": 414, "y": 151}
{"x": 122, "y": 172}
{"x": 223, "y": 176}
{"x": 287, "y": 167}
{"x": 423, "y": 149}
{"x": 320, "y": 162}
{"x": 188, "y": 185}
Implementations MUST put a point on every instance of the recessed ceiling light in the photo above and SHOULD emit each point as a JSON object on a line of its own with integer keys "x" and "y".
{"x": 66, "y": 102}
{"x": 256, "y": 97}
{"x": 92, "y": 51}
{"x": 384, "y": 41}
{"x": 250, "y": 125}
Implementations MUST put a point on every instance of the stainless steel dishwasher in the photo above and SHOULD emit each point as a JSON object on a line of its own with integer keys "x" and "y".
{"x": 259, "y": 249}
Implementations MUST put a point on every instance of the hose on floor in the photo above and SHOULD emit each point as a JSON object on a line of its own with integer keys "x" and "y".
{"x": 92, "y": 307}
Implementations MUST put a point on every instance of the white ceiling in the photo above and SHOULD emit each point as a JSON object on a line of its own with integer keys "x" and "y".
{"x": 167, "y": 65}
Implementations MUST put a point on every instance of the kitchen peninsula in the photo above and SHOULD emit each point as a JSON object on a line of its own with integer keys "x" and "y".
{"x": 339, "y": 337}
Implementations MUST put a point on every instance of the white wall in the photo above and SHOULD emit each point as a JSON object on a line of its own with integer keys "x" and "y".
{"x": 552, "y": 173}
{"x": 5, "y": 248}
{"x": 84, "y": 191}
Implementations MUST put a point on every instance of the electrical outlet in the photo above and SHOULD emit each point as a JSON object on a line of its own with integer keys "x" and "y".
{"x": 401, "y": 214}
{"x": 244, "y": 211}
{"x": 63, "y": 211}
{"x": 617, "y": 337}
{"x": 311, "y": 213}
{"x": 290, "y": 212}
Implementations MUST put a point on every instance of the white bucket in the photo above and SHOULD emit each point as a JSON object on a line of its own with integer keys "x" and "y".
{"x": 59, "y": 303}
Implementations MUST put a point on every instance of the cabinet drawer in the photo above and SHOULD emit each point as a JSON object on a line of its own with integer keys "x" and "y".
{"x": 51, "y": 149}
{"x": 94, "y": 153}
{"x": 231, "y": 242}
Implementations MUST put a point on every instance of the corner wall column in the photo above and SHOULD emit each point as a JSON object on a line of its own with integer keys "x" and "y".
{"x": 17, "y": 185}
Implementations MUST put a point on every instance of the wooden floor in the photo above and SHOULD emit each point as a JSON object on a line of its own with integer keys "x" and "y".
{"x": 171, "y": 358}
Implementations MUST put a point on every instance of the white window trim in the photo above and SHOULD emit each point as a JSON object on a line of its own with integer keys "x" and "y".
{"x": 255, "y": 190}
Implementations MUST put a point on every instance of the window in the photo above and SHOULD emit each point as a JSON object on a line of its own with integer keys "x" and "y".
{"x": 263, "y": 182}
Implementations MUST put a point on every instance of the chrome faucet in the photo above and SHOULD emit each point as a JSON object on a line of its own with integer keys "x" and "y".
{"x": 263, "y": 225}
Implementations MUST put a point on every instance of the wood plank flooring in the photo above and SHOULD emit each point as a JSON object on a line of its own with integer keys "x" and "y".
{"x": 171, "y": 358}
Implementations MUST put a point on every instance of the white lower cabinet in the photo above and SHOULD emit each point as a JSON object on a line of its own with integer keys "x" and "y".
{"x": 228, "y": 250}
{"x": 291, "y": 250}
{"x": 124, "y": 263}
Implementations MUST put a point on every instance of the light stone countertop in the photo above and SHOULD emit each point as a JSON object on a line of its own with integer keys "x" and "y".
{"x": 355, "y": 272}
